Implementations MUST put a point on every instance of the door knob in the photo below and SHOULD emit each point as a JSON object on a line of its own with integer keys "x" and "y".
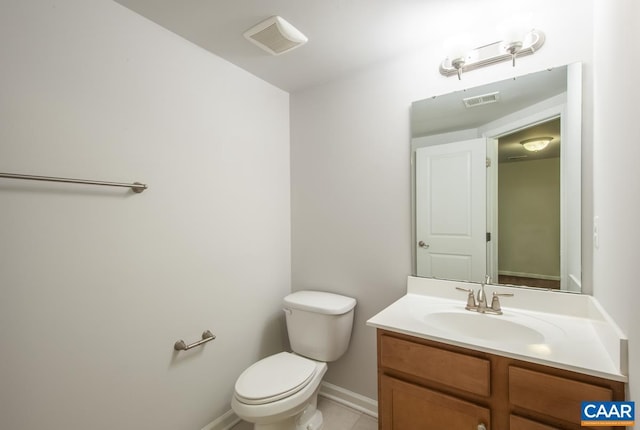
{"x": 421, "y": 244}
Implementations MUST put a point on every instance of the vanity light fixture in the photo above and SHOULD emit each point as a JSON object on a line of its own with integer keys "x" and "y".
{"x": 496, "y": 52}
{"x": 536, "y": 144}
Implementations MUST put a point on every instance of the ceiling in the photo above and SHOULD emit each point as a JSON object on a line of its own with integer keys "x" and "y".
{"x": 344, "y": 35}
{"x": 447, "y": 113}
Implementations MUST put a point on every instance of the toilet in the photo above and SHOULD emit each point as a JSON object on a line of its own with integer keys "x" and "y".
{"x": 280, "y": 392}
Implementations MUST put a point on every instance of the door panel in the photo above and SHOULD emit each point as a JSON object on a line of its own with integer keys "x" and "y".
{"x": 451, "y": 211}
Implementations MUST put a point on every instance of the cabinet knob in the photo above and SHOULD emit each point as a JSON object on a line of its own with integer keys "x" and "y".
{"x": 481, "y": 426}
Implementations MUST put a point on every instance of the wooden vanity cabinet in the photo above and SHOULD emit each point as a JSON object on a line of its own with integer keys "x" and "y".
{"x": 427, "y": 385}
{"x": 411, "y": 406}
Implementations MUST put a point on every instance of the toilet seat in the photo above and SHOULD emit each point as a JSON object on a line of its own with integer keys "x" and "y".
{"x": 274, "y": 378}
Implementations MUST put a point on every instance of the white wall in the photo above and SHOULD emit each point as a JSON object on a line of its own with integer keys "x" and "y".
{"x": 350, "y": 171}
{"x": 529, "y": 214}
{"x": 97, "y": 284}
{"x": 616, "y": 174}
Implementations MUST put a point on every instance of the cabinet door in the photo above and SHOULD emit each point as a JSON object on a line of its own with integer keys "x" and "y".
{"x": 406, "y": 406}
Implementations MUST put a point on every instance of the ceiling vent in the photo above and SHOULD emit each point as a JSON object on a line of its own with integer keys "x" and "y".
{"x": 481, "y": 100}
{"x": 276, "y": 36}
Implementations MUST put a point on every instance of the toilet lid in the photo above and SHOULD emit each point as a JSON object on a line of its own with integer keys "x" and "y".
{"x": 274, "y": 378}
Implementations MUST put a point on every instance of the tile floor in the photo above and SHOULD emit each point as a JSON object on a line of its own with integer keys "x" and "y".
{"x": 336, "y": 417}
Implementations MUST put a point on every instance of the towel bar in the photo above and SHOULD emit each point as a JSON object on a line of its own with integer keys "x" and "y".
{"x": 136, "y": 187}
{"x": 206, "y": 337}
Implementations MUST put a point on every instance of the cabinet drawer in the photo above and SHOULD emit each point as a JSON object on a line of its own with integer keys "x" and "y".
{"x": 553, "y": 396}
{"x": 460, "y": 371}
{"x": 519, "y": 423}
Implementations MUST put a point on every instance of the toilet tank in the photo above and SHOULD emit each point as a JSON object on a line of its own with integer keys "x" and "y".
{"x": 319, "y": 323}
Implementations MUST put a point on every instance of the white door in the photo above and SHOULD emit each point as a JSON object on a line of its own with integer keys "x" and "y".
{"x": 451, "y": 211}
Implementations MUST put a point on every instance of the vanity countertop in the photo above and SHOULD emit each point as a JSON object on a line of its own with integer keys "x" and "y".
{"x": 567, "y": 331}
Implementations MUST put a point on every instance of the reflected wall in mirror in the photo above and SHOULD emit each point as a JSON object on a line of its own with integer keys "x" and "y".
{"x": 486, "y": 202}
{"x": 528, "y": 204}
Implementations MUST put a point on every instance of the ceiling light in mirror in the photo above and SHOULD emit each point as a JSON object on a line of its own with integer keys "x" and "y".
{"x": 536, "y": 144}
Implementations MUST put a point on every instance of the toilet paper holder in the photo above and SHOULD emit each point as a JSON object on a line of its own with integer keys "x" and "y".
{"x": 182, "y": 346}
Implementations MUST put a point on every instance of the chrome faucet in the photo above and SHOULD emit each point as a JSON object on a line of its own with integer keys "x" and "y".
{"x": 482, "y": 296}
{"x": 480, "y": 305}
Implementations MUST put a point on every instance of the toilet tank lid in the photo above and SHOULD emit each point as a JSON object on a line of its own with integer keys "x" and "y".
{"x": 320, "y": 302}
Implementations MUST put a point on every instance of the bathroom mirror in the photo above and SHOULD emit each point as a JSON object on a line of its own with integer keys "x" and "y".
{"x": 496, "y": 182}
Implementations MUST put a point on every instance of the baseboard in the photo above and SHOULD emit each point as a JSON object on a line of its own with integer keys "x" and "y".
{"x": 349, "y": 399}
{"x": 225, "y": 422}
{"x": 333, "y": 392}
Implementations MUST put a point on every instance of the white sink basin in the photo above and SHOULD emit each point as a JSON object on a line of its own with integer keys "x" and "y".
{"x": 449, "y": 319}
{"x": 568, "y": 331}
{"x": 483, "y": 326}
